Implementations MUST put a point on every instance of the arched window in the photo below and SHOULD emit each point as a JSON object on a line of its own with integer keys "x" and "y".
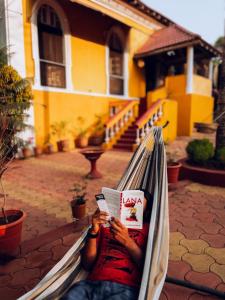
{"x": 116, "y": 65}
{"x": 51, "y": 48}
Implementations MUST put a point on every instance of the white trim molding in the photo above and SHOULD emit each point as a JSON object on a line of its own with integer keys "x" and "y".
{"x": 76, "y": 92}
{"x": 15, "y": 35}
{"x": 67, "y": 40}
{"x": 123, "y": 39}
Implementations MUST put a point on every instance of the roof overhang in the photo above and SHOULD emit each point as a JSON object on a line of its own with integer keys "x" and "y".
{"x": 123, "y": 12}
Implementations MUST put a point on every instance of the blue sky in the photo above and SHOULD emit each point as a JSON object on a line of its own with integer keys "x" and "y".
{"x": 205, "y": 17}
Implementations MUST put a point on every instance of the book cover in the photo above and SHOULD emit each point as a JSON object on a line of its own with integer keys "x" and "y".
{"x": 127, "y": 206}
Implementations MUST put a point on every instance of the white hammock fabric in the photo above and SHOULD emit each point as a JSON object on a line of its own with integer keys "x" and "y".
{"x": 147, "y": 169}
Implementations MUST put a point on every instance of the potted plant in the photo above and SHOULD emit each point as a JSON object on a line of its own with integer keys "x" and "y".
{"x": 78, "y": 202}
{"x": 80, "y": 134}
{"x": 60, "y": 129}
{"x": 25, "y": 146}
{"x": 15, "y": 96}
{"x": 173, "y": 167}
{"x": 48, "y": 147}
{"x": 97, "y": 135}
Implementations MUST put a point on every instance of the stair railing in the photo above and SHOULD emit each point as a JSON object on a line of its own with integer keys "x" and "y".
{"x": 121, "y": 120}
{"x": 148, "y": 119}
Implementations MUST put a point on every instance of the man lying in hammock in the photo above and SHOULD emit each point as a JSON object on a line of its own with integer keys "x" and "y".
{"x": 115, "y": 257}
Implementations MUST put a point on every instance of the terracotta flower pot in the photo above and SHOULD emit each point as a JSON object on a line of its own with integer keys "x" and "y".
{"x": 49, "y": 149}
{"x": 26, "y": 152}
{"x": 173, "y": 170}
{"x": 78, "y": 211}
{"x": 81, "y": 142}
{"x": 96, "y": 140}
{"x": 10, "y": 234}
{"x": 37, "y": 151}
{"x": 63, "y": 145}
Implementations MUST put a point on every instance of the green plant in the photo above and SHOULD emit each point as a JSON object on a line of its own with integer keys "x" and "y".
{"x": 47, "y": 139}
{"x": 99, "y": 126}
{"x": 15, "y": 96}
{"x": 79, "y": 193}
{"x": 59, "y": 129}
{"x": 172, "y": 157}
{"x": 79, "y": 131}
{"x": 220, "y": 155}
{"x": 200, "y": 151}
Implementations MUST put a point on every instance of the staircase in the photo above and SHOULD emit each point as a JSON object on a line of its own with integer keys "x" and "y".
{"x": 127, "y": 127}
{"x": 127, "y": 139}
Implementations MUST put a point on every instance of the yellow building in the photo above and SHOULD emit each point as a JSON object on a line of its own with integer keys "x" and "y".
{"x": 111, "y": 58}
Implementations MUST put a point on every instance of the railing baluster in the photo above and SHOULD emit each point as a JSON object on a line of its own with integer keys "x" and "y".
{"x": 143, "y": 132}
{"x": 107, "y": 135}
{"x": 137, "y": 137}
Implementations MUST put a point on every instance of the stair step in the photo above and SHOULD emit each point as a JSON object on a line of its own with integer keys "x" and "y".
{"x": 127, "y": 140}
{"x": 131, "y": 131}
{"x": 129, "y": 134}
{"x": 123, "y": 146}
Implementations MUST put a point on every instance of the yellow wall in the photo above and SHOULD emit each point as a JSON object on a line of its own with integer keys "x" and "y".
{"x": 201, "y": 109}
{"x": 160, "y": 93}
{"x": 202, "y": 86}
{"x": 169, "y": 114}
{"x": 176, "y": 85}
{"x": 137, "y": 82}
{"x": 54, "y": 107}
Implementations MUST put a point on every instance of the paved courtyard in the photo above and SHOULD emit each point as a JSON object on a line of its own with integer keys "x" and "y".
{"x": 40, "y": 186}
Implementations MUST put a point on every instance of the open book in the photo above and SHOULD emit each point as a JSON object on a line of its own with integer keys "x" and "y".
{"x": 127, "y": 206}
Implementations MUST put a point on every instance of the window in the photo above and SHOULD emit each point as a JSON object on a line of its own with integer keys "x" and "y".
{"x": 116, "y": 65}
{"x": 51, "y": 48}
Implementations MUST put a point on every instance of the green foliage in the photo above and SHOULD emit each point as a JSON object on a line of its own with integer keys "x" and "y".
{"x": 220, "y": 43}
{"x": 99, "y": 127}
{"x": 200, "y": 151}
{"x": 59, "y": 129}
{"x": 15, "y": 96}
{"x": 79, "y": 193}
{"x": 78, "y": 130}
{"x": 3, "y": 56}
{"x": 220, "y": 155}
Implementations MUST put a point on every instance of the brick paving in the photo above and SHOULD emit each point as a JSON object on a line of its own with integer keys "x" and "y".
{"x": 40, "y": 187}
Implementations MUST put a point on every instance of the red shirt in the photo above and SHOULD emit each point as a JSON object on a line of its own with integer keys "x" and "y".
{"x": 114, "y": 262}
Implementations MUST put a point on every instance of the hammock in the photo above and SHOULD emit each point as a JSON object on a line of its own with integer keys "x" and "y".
{"x": 147, "y": 170}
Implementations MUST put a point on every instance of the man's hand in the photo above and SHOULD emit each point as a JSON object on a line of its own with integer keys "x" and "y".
{"x": 120, "y": 232}
{"x": 99, "y": 217}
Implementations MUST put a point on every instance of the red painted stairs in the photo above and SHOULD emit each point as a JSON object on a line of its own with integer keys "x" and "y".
{"x": 127, "y": 139}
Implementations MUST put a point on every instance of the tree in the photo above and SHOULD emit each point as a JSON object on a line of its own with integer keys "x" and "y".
{"x": 15, "y": 96}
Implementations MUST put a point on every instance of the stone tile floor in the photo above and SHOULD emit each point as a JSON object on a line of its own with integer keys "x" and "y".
{"x": 40, "y": 187}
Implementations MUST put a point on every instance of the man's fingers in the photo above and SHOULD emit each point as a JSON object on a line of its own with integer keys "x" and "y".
{"x": 118, "y": 223}
{"x": 115, "y": 226}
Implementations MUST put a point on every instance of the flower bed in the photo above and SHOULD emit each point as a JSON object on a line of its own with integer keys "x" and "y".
{"x": 203, "y": 175}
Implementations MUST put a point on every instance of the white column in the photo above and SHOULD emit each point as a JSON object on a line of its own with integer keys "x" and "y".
{"x": 211, "y": 69}
{"x": 190, "y": 70}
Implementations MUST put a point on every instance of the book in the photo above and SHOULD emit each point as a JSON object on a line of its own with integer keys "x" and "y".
{"x": 126, "y": 205}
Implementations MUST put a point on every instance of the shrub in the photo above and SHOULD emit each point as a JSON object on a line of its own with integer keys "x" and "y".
{"x": 220, "y": 155}
{"x": 200, "y": 151}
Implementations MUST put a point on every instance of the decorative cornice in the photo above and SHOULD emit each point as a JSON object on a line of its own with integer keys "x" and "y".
{"x": 120, "y": 8}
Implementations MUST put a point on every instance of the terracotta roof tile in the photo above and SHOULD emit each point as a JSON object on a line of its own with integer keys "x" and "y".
{"x": 166, "y": 37}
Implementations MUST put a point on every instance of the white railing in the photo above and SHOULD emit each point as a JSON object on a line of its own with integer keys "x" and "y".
{"x": 120, "y": 120}
{"x": 150, "y": 117}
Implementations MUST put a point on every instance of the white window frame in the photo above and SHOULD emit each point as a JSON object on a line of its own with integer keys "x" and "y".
{"x": 117, "y": 30}
{"x": 67, "y": 42}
